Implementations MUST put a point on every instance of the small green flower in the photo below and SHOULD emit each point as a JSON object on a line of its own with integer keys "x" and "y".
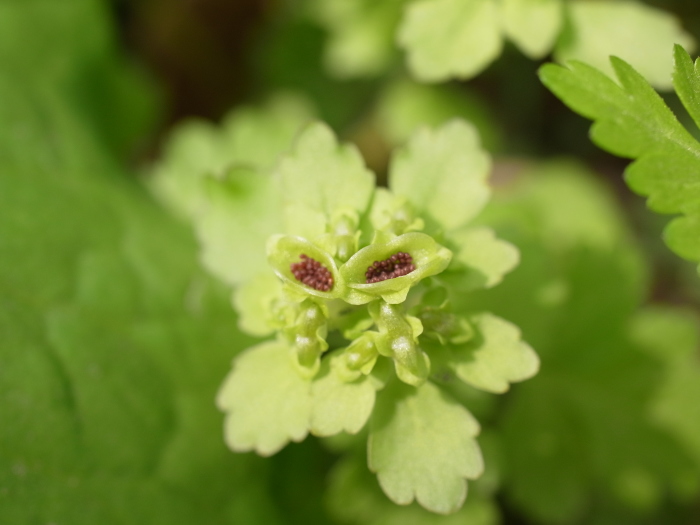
{"x": 304, "y": 267}
{"x": 343, "y": 256}
{"x": 427, "y": 257}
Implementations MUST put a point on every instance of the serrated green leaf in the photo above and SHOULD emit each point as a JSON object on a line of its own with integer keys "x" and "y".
{"x": 496, "y": 357}
{"x": 443, "y": 173}
{"x": 648, "y": 37}
{"x": 267, "y": 403}
{"x": 318, "y": 179}
{"x": 533, "y": 25}
{"x": 340, "y": 406}
{"x": 241, "y": 212}
{"x": 486, "y": 257}
{"x": 422, "y": 447}
{"x": 686, "y": 81}
{"x": 450, "y": 38}
{"x": 633, "y": 121}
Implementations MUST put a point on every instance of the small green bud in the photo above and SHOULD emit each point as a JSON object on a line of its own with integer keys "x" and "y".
{"x": 398, "y": 339}
{"x": 308, "y": 338}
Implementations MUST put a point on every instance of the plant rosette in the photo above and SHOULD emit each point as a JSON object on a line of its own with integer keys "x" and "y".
{"x": 356, "y": 293}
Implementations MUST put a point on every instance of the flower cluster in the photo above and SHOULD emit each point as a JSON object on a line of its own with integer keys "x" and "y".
{"x": 356, "y": 283}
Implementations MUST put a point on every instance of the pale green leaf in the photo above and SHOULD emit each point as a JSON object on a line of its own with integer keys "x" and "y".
{"x": 443, "y": 173}
{"x": 496, "y": 357}
{"x": 533, "y": 25}
{"x": 361, "y": 34}
{"x": 241, "y": 212}
{"x": 422, "y": 447}
{"x": 254, "y": 137}
{"x": 267, "y": 403}
{"x": 354, "y": 497}
{"x": 404, "y": 106}
{"x": 257, "y": 136}
{"x": 639, "y": 34}
{"x": 319, "y": 178}
{"x": 486, "y": 257}
{"x": 253, "y": 300}
{"x": 340, "y": 406}
{"x": 450, "y": 38}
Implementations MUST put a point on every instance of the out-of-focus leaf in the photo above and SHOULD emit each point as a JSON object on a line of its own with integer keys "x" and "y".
{"x": 320, "y": 178}
{"x": 639, "y": 34}
{"x": 443, "y": 173}
{"x": 354, "y": 497}
{"x": 450, "y": 38}
{"x": 533, "y": 25}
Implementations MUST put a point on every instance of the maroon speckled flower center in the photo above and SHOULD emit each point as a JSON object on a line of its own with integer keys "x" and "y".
{"x": 312, "y": 273}
{"x": 397, "y": 265}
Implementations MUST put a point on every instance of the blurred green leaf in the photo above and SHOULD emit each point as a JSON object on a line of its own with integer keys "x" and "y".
{"x": 533, "y": 25}
{"x": 443, "y": 173}
{"x": 320, "y": 178}
{"x": 450, "y": 38}
{"x": 354, "y": 497}
{"x": 639, "y": 34}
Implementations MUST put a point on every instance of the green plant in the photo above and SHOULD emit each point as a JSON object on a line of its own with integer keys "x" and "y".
{"x": 117, "y": 332}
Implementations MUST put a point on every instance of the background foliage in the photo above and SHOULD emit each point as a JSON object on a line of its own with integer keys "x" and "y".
{"x": 114, "y": 339}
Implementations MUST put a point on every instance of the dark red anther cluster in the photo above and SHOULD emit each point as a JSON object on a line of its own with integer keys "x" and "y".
{"x": 397, "y": 265}
{"x": 312, "y": 273}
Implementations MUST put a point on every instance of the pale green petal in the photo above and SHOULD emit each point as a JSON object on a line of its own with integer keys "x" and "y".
{"x": 340, "y": 406}
{"x": 267, "y": 403}
{"x": 641, "y": 35}
{"x": 496, "y": 357}
{"x": 486, "y": 257}
{"x": 318, "y": 179}
{"x": 422, "y": 447}
{"x": 532, "y": 25}
{"x": 443, "y": 173}
{"x": 241, "y": 212}
{"x": 450, "y": 38}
